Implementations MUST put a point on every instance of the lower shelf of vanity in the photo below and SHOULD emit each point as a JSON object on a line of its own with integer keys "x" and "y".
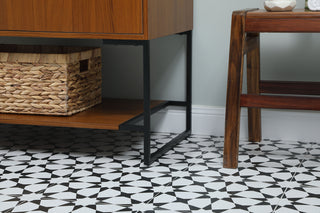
{"x": 109, "y": 115}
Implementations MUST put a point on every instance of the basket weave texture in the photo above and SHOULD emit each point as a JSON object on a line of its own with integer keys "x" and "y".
{"x": 49, "y": 80}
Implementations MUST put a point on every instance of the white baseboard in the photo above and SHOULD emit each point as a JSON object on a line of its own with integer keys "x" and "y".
{"x": 276, "y": 124}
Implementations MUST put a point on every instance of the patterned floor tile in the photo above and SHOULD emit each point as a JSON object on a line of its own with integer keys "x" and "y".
{"x": 48, "y": 169}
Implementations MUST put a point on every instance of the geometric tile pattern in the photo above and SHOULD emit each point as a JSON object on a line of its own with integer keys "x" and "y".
{"x": 50, "y": 169}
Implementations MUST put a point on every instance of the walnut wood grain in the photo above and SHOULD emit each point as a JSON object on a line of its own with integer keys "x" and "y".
{"x": 108, "y": 115}
{"x": 97, "y": 19}
{"x": 52, "y": 15}
{"x": 72, "y": 35}
{"x": 296, "y": 13}
{"x": 162, "y": 12}
{"x": 35, "y": 15}
{"x": 108, "y": 16}
{"x": 280, "y": 102}
{"x": 251, "y": 42}
{"x": 232, "y": 122}
{"x": 88, "y": 16}
{"x": 290, "y": 87}
{"x": 248, "y": 26}
{"x": 295, "y": 21}
{"x": 253, "y": 80}
{"x": 24, "y": 21}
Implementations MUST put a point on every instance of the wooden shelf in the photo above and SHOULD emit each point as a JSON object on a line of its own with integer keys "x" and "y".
{"x": 108, "y": 115}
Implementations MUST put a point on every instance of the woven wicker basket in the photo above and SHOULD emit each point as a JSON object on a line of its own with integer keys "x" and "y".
{"x": 49, "y": 80}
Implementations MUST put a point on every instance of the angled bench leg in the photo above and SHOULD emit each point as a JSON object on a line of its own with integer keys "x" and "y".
{"x": 253, "y": 80}
{"x": 232, "y": 122}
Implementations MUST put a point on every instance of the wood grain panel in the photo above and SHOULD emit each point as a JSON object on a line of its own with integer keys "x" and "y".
{"x": 36, "y": 15}
{"x": 166, "y": 17}
{"x": 3, "y": 15}
{"x": 296, "y": 13}
{"x": 127, "y": 16}
{"x": 253, "y": 80}
{"x": 283, "y": 25}
{"x": 107, "y": 16}
{"x": 85, "y": 14}
{"x": 97, "y": 19}
{"x": 92, "y": 16}
{"x": 18, "y": 14}
{"x": 290, "y": 87}
{"x": 73, "y": 35}
{"x": 39, "y": 15}
{"x": 108, "y": 115}
{"x": 58, "y": 15}
{"x": 280, "y": 102}
{"x": 296, "y": 21}
{"x": 234, "y": 88}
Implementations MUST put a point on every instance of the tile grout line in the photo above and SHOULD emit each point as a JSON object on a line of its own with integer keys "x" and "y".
{"x": 192, "y": 164}
{"x": 19, "y": 202}
{"x": 299, "y": 166}
{"x": 149, "y": 201}
{"x": 287, "y": 188}
{"x": 208, "y": 142}
{"x": 49, "y": 185}
{"x": 42, "y": 191}
{"x": 79, "y": 169}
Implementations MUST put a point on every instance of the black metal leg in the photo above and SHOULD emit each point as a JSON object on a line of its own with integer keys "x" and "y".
{"x": 146, "y": 102}
{"x": 189, "y": 82}
{"x": 149, "y": 157}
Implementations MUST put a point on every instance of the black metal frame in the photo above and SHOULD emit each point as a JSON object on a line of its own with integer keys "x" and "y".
{"x": 149, "y": 157}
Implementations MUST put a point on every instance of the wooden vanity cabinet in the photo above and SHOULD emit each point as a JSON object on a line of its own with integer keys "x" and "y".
{"x": 126, "y": 22}
{"x": 103, "y": 19}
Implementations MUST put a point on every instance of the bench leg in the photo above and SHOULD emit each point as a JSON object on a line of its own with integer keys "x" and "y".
{"x": 234, "y": 89}
{"x": 253, "y": 80}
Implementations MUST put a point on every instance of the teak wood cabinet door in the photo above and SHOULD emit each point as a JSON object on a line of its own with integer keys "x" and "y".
{"x": 95, "y": 19}
{"x": 77, "y": 16}
{"x": 107, "y": 16}
{"x": 36, "y": 15}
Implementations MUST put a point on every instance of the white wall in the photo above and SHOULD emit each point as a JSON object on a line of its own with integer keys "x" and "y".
{"x": 283, "y": 56}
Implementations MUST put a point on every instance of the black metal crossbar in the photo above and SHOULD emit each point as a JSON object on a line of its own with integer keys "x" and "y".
{"x": 149, "y": 157}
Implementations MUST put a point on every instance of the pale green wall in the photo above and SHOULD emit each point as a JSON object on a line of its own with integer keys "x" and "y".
{"x": 284, "y": 56}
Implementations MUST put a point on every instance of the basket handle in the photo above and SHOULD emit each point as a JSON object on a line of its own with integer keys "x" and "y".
{"x": 84, "y": 65}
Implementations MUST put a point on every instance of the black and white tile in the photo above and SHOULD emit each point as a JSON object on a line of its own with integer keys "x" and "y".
{"x": 47, "y": 169}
